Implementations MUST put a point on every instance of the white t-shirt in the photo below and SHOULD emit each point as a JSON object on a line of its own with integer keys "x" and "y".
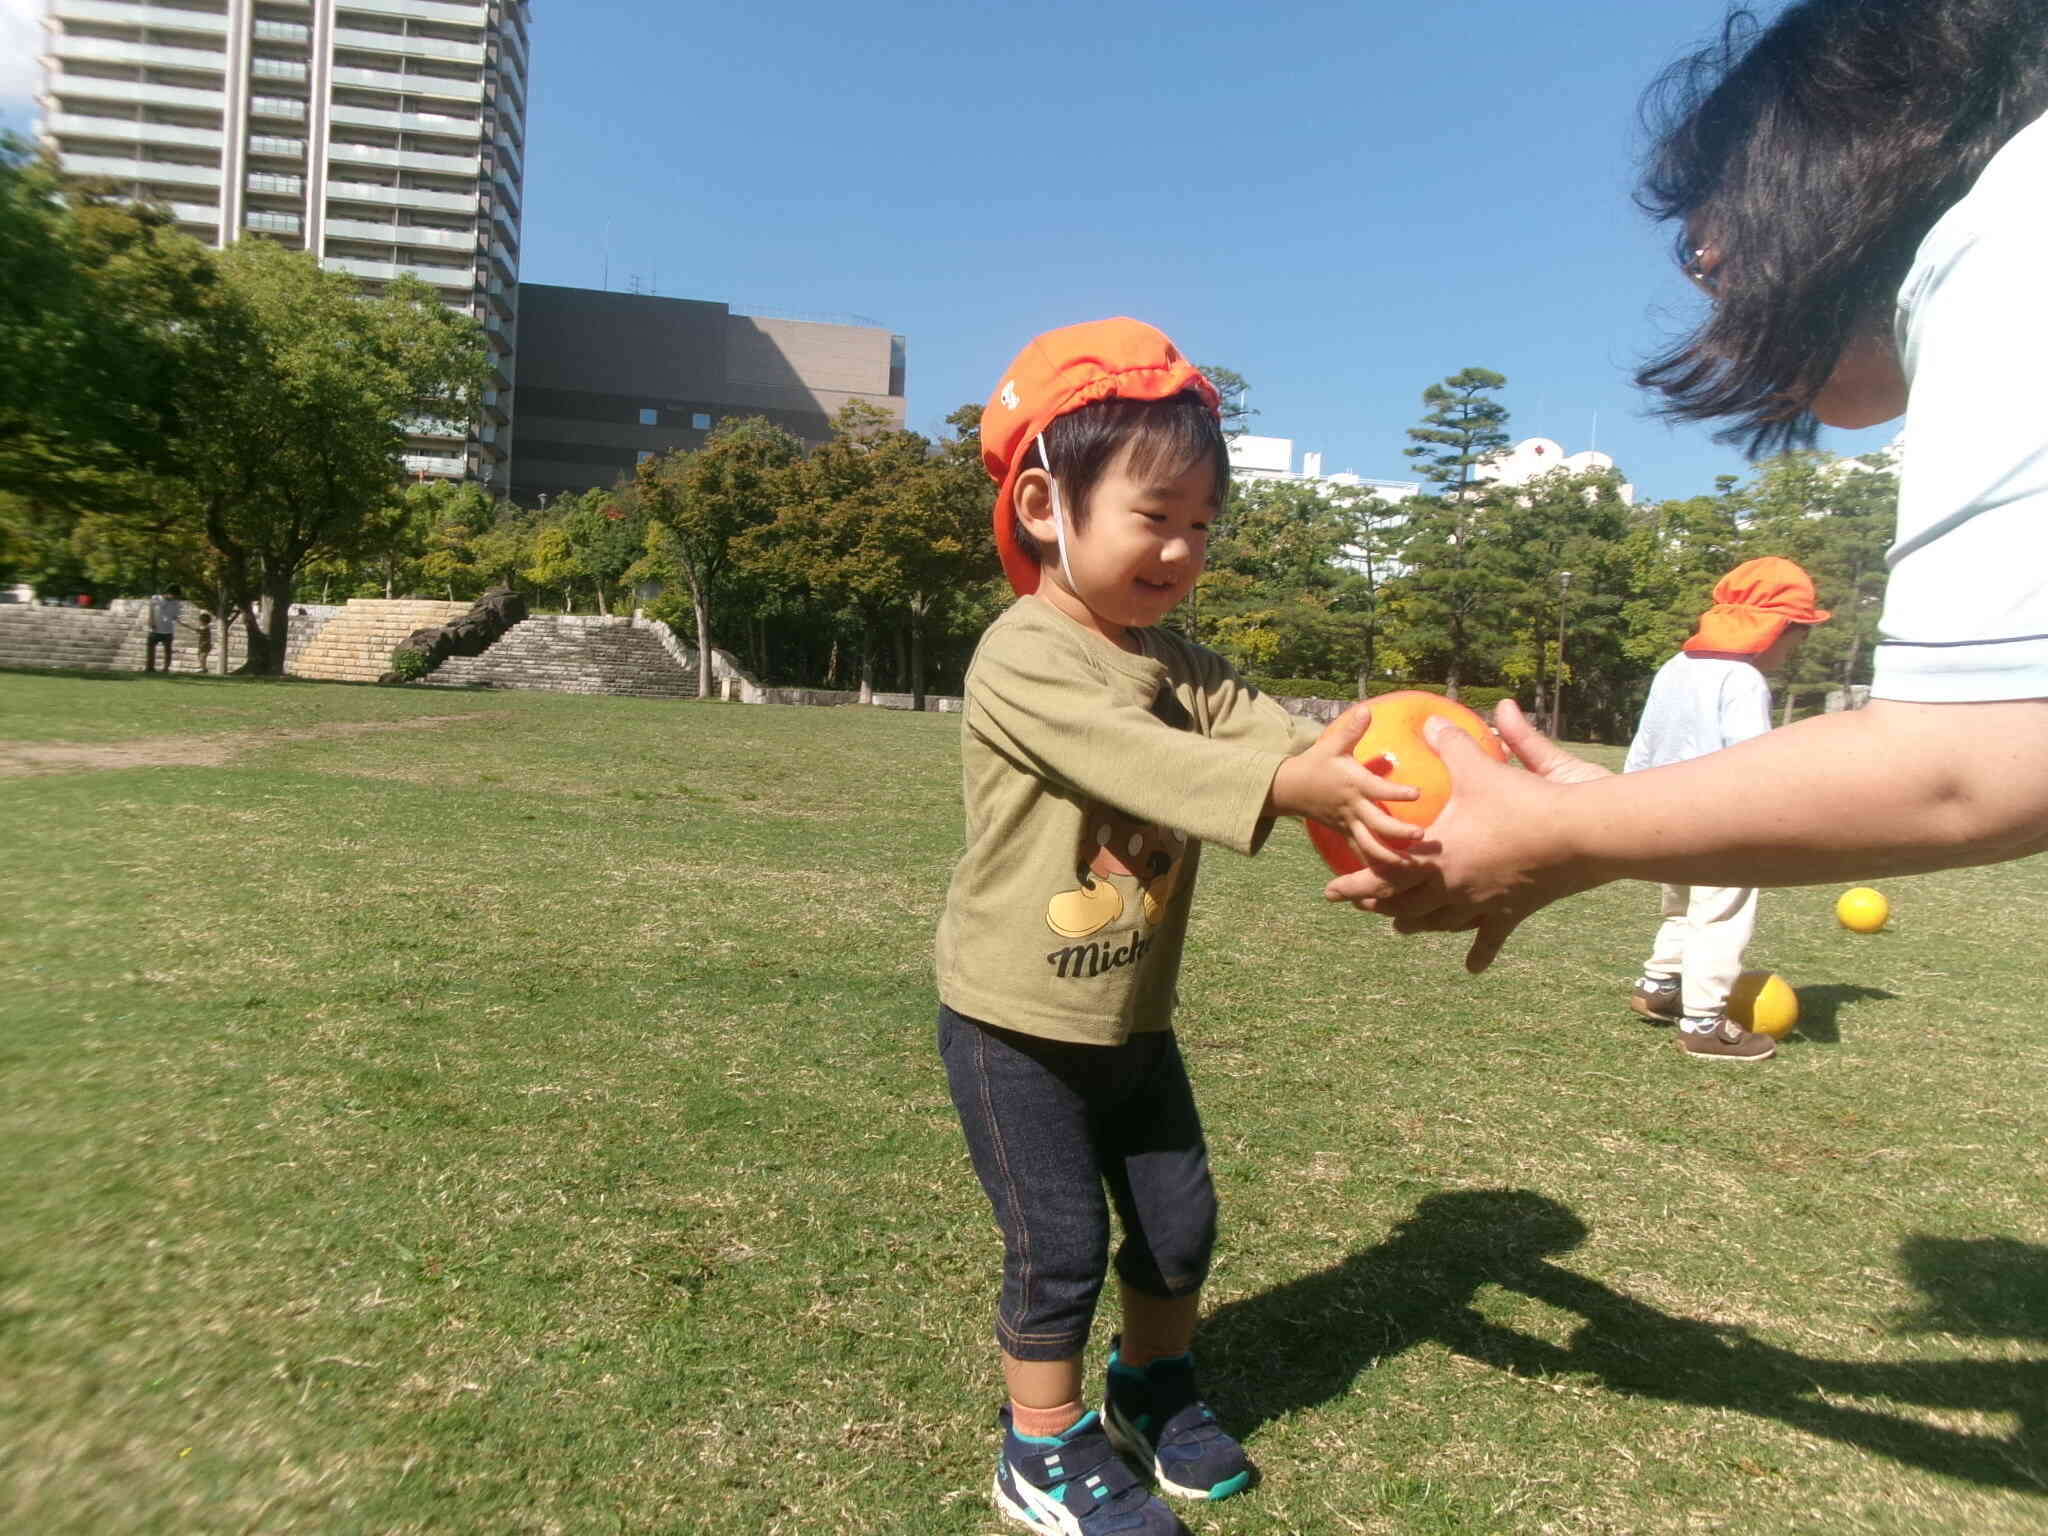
{"x": 1966, "y": 611}
{"x": 1699, "y": 704}
{"x": 163, "y": 614}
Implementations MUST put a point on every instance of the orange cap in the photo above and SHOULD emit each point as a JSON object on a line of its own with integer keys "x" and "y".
{"x": 1062, "y": 371}
{"x": 1752, "y": 605}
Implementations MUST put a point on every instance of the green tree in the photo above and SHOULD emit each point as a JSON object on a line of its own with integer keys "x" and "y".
{"x": 699, "y": 504}
{"x": 1676, "y": 550}
{"x": 455, "y": 515}
{"x": 1463, "y": 426}
{"x": 99, "y": 302}
{"x": 1562, "y": 550}
{"x": 1836, "y": 518}
{"x": 295, "y": 413}
{"x": 1279, "y": 595}
{"x": 878, "y": 531}
{"x": 1236, "y": 392}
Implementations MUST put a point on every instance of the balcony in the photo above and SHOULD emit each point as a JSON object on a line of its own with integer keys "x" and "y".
{"x": 410, "y": 85}
{"x": 267, "y": 222}
{"x": 281, "y": 32}
{"x": 288, "y": 109}
{"x": 264, "y": 68}
{"x": 417, "y": 47}
{"x": 400, "y": 234}
{"x": 401, "y": 197}
{"x": 154, "y": 172}
{"x": 72, "y": 92}
{"x": 107, "y": 50}
{"x": 61, "y": 125}
{"x": 410, "y": 122}
{"x": 404, "y": 159}
{"x": 391, "y": 271}
{"x": 156, "y": 18}
{"x": 451, "y": 11}
{"x": 198, "y": 216}
{"x": 425, "y": 464}
{"x": 275, "y": 147}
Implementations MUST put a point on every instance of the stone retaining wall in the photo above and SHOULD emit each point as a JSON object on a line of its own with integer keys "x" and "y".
{"x": 115, "y": 638}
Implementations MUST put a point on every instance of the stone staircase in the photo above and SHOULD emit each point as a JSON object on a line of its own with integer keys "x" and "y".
{"x": 355, "y": 645}
{"x": 575, "y": 653}
{"x": 75, "y": 639}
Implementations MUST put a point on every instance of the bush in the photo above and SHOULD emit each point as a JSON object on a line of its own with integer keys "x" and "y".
{"x": 1305, "y": 687}
{"x": 1473, "y": 697}
{"x": 408, "y": 665}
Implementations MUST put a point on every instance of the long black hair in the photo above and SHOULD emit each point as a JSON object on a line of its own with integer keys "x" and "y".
{"x": 1810, "y": 158}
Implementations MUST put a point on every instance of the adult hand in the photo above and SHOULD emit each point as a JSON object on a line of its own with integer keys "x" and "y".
{"x": 1492, "y": 858}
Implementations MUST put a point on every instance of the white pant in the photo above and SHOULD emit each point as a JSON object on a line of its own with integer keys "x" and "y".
{"x": 1706, "y": 929}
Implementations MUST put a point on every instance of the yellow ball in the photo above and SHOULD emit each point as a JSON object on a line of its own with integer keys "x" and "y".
{"x": 1862, "y": 910}
{"x": 1764, "y": 1001}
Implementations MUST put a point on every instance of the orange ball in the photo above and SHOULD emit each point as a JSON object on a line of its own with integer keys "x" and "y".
{"x": 1393, "y": 748}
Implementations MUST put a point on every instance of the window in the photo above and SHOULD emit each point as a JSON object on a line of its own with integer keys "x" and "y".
{"x": 648, "y": 415}
{"x": 642, "y": 456}
{"x": 700, "y": 421}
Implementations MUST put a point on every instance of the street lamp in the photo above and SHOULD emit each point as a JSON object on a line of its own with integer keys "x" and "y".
{"x": 1564, "y": 586}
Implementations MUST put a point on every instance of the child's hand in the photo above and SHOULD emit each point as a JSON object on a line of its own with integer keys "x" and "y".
{"x": 1327, "y": 784}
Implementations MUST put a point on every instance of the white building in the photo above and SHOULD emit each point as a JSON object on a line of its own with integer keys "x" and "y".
{"x": 1272, "y": 458}
{"x": 387, "y": 136}
{"x": 1535, "y": 456}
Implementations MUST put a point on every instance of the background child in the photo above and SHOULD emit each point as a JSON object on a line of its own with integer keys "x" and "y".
{"x": 1097, "y": 753}
{"x": 1711, "y": 695}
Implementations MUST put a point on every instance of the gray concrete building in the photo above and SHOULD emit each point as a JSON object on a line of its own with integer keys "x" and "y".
{"x": 608, "y": 379}
{"x": 386, "y": 136}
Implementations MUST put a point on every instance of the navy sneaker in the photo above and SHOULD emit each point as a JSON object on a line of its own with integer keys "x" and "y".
{"x": 1156, "y": 1416}
{"x": 1076, "y": 1484}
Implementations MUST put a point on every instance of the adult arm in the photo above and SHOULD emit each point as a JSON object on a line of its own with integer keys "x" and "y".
{"x": 1894, "y": 788}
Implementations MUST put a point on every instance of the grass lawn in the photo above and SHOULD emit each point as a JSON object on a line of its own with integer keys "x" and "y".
{"x": 432, "y": 1111}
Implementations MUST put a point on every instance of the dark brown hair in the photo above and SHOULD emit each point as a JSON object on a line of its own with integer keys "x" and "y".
{"x": 1812, "y": 156}
{"x": 1166, "y": 437}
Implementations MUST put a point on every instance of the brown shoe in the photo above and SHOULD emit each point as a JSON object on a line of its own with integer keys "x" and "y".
{"x": 1659, "y": 1004}
{"x": 1725, "y": 1041}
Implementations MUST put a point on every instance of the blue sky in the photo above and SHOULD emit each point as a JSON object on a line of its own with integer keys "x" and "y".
{"x": 1343, "y": 202}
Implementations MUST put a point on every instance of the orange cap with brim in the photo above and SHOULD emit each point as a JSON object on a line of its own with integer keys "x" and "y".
{"x": 1752, "y": 605}
{"x": 1062, "y": 371}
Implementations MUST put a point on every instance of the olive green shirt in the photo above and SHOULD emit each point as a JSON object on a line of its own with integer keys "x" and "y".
{"x": 1092, "y": 776}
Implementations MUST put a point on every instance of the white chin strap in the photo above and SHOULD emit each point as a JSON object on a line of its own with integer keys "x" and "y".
{"x": 1059, "y": 521}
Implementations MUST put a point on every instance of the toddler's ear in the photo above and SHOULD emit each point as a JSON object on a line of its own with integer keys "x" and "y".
{"x": 1032, "y": 497}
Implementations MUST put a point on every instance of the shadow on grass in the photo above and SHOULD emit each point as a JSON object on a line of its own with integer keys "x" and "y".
{"x": 1819, "y": 1006}
{"x": 1306, "y": 1342}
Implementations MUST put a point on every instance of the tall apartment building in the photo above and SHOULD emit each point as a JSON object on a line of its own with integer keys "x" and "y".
{"x": 387, "y": 136}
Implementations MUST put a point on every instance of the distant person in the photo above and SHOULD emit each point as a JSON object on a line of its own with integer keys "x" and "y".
{"x": 1709, "y": 696}
{"x": 1098, "y": 752}
{"x": 205, "y": 639}
{"x": 1857, "y": 188}
{"x": 164, "y": 610}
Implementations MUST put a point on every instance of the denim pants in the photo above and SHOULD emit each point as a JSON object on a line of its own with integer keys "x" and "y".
{"x": 1049, "y": 1124}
